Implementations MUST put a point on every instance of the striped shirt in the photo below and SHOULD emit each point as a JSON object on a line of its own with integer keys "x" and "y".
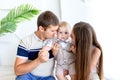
{"x": 29, "y": 48}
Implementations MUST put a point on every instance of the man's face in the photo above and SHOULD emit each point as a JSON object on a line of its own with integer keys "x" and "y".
{"x": 50, "y": 32}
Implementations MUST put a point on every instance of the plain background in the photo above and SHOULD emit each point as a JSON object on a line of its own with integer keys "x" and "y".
{"x": 103, "y": 15}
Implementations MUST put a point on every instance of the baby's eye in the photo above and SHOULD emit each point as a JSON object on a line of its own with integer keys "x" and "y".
{"x": 66, "y": 32}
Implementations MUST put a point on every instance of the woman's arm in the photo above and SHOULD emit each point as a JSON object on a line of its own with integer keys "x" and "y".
{"x": 95, "y": 57}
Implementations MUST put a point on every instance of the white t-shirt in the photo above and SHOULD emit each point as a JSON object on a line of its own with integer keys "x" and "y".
{"x": 29, "y": 48}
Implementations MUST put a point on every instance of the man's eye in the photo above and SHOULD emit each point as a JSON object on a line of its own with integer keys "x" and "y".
{"x": 60, "y": 32}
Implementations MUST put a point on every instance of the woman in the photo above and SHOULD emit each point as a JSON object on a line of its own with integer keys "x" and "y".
{"x": 89, "y": 57}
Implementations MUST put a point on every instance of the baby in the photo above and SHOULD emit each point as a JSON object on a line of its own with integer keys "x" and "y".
{"x": 65, "y": 58}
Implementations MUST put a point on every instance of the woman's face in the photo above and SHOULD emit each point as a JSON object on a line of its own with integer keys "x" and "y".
{"x": 73, "y": 38}
{"x": 50, "y": 32}
{"x": 73, "y": 48}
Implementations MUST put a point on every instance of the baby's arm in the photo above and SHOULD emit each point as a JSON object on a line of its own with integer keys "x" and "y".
{"x": 56, "y": 47}
{"x": 52, "y": 45}
{"x": 46, "y": 48}
{"x": 48, "y": 45}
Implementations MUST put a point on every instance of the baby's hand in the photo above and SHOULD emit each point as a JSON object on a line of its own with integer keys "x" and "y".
{"x": 55, "y": 48}
{"x": 46, "y": 48}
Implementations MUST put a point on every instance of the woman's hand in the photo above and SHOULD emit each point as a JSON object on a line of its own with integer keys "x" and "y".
{"x": 73, "y": 49}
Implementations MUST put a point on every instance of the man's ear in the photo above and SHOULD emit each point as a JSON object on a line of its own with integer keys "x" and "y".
{"x": 41, "y": 28}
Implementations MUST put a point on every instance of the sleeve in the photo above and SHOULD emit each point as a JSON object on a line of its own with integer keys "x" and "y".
{"x": 22, "y": 51}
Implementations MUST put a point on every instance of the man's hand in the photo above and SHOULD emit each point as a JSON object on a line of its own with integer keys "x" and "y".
{"x": 46, "y": 48}
{"x": 43, "y": 56}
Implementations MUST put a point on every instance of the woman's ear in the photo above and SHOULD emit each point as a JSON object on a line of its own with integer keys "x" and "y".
{"x": 41, "y": 28}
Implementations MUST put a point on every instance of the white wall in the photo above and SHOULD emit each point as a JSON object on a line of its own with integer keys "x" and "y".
{"x": 74, "y": 11}
{"x": 29, "y": 26}
{"x": 104, "y": 16}
{"x": 107, "y": 19}
{"x": 9, "y": 42}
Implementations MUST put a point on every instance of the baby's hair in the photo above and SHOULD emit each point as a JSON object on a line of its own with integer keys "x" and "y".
{"x": 64, "y": 24}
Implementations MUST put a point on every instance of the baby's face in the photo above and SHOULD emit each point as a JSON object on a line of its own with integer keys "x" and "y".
{"x": 63, "y": 33}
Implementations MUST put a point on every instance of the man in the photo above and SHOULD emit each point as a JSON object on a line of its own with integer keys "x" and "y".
{"x": 33, "y": 62}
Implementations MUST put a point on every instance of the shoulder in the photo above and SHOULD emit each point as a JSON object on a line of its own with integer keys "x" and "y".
{"x": 96, "y": 51}
{"x": 26, "y": 40}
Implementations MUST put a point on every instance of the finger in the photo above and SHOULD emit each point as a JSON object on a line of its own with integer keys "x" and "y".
{"x": 43, "y": 52}
{"x": 54, "y": 45}
{"x": 47, "y": 48}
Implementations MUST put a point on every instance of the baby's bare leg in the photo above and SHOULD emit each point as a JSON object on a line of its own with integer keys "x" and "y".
{"x": 61, "y": 77}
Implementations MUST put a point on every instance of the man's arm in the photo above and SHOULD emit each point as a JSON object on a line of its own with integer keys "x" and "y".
{"x": 22, "y": 66}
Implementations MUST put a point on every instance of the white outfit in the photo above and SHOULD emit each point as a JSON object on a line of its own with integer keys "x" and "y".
{"x": 65, "y": 58}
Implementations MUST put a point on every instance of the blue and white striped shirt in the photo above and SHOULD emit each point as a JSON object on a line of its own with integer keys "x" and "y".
{"x": 29, "y": 48}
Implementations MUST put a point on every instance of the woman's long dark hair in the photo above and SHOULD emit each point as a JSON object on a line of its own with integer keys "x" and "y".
{"x": 85, "y": 38}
